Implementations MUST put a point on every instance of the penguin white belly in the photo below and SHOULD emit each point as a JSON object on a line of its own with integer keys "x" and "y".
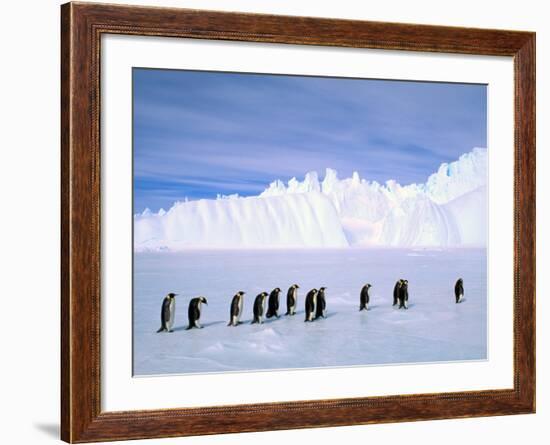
{"x": 314, "y": 307}
{"x": 197, "y": 320}
{"x": 261, "y": 314}
{"x": 170, "y": 322}
{"x": 460, "y": 297}
{"x": 311, "y": 315}
{"x": 240, "y": 310}
{"x": 295, "y": 305}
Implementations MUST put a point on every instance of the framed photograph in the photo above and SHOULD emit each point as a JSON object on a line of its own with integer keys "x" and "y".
{"x": 274, "y": 222}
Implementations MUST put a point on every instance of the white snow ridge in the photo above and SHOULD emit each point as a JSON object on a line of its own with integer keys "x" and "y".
{"x": 449, "y": 210}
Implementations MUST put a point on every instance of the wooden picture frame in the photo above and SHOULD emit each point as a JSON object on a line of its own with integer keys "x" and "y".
{"x": 82, "y": 25}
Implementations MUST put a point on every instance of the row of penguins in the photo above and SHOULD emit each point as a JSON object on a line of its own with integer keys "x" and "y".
{"x": 315, "y": 304}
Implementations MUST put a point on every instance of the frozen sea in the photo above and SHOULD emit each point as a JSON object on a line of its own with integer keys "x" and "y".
{"x": 433, "y": 329}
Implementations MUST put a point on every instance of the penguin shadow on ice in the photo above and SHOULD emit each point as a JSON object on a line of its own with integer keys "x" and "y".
{"x": 330, "y": 314}
{"x": 203, "y": 325}
{"x": 212, "y": 323}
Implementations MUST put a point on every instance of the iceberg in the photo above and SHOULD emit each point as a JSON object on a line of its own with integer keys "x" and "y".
{"x": 448, "y": 210}
{"x": 299, "y": 220}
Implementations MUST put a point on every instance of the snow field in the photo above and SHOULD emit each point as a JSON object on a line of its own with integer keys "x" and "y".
{"x": 433, "y": 329}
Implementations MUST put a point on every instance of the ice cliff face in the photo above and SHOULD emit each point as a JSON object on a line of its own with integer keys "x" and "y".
{"x": 448, "y": 210}
{"x": 299, "y": 220}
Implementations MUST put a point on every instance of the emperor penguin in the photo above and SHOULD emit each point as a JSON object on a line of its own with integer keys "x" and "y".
{"x": 321, "y": 306}
{"x": 194, "y": 312}
{"x": 311, "y": 302}
{"x": 292, "y": 299}
{"x": 404, "y": 294}
{"x": 364, "y": 299}
{"x": 396, "y": 291}
{"x": 273, "y": 303}
{"x": 167, "y": 313}
{"x": 236, "y": 309}
{"x": 259, "y": 307}
{"x": 459, "y": 291}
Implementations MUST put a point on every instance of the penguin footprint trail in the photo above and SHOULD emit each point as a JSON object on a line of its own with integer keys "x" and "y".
{"x": 268, "y": 304}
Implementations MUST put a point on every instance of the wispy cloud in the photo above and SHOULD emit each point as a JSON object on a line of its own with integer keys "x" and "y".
{"x": 197, "y": 134}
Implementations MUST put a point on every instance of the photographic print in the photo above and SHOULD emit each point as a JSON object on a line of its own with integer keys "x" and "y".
{"x": 298, "y": 222}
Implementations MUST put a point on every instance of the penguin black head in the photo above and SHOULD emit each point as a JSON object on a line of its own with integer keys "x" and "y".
{"x": 322, "y": 289}
{"x": 241, "y": 293}
{"x": 368, "y": 285}
{"x": 172, "y": 295}
{"x": 296, "y": 286}
{"x": 277, "y": 289}
{"x": 460, "y": 280}
{"x": 203, "y": 300}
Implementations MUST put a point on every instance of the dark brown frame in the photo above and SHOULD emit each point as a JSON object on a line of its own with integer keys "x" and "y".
{"x": 82, "y": 25}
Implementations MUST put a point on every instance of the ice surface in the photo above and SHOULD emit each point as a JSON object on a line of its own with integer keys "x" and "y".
{"x": 433, "y": 329}
{"x": 448, "y": 210}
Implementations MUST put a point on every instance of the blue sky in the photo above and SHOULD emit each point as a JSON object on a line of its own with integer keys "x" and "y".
{"x": 197, "y": 134}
